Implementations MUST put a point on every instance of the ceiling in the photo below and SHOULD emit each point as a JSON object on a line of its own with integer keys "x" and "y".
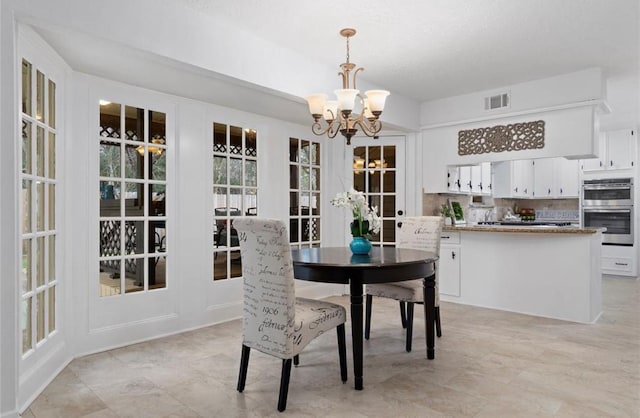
{"x": 429, "y": 49}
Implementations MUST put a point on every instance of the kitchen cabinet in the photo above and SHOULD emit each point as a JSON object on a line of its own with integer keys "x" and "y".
{"x": 474, "y": 179}
{"x": 617, "y": 151}
{"x": 513, "y": 179}
{"x": 543, "y": 178}
{"x": 449, "y": 264}
{"x": 555, "y": 178}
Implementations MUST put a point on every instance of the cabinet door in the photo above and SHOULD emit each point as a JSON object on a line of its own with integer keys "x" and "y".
{"x": 543, "y": 177}
{"x": 486, "y": 178}
{"x": 596, "y": 164}
{"x": 449, "y": 270}
{"x": 453, "y": 179}
{"x": 522, "y": 178}
{"x": 620, "y": 149}
{"x": 566, "y": 178}
{"x": 476, "y": 179}
{"x": 465, "y": 179}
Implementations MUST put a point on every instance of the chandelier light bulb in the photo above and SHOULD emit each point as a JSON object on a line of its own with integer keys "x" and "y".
{"x": 377, "y": 98}
{"x": 346, "y": 98}
{"x": 316, "y": 103}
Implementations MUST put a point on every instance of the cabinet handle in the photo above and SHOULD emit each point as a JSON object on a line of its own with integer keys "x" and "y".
{"x": 621, "y": 264}
{"x": 453, "y": 255}
{"x": 515, "y": 190}
{"x": 611, "y": 163}
{"x": 480, "y": 185}
{"x": 561, "y": 190}
{"x": 445, "y": 237}
{"x": 549, "y": 191}
{"x": 600, "y": 163}
{"x": 525, "y": 191}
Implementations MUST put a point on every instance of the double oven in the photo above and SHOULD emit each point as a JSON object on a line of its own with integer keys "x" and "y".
{"x": 608, "y": 203}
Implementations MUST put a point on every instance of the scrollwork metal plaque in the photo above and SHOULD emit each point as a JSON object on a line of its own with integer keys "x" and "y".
{"x": 499, "y": 138}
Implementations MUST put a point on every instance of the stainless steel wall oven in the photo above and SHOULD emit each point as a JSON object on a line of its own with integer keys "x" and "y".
{"x": 608, "y": 203}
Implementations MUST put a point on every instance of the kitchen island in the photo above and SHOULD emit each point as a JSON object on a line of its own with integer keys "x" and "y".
{"x": 549, "y": 271}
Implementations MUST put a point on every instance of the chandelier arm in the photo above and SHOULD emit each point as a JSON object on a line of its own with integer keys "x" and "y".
{"x": 317, "y": 129}
{"x": 355, "y": 73}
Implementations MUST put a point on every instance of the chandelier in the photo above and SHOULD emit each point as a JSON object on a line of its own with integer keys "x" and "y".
{"x": 339, "y": 115}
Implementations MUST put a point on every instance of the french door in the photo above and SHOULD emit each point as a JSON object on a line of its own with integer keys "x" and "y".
{"x": 378, "y": 170}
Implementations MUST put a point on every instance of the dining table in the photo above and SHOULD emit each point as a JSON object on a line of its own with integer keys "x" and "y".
{"x": 382, "y": 265}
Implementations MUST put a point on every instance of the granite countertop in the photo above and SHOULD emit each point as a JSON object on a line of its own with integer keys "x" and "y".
{"x": 524, "y": 228}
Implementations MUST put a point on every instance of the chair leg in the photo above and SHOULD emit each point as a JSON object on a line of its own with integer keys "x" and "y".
{"x": 244, "y": 364}
{"x": 342, "y": 352}
{"x": 367, "y": 317}
{"x": 284, "y": 384}
{"x": 296, "y": 360}
{"x": 438, "y": 325}
{"x": 403, "y": 314}
{"x": 409, "y": 325}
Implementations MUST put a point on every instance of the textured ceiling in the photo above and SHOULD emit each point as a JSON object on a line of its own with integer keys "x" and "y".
{"x": 427, "y": 49}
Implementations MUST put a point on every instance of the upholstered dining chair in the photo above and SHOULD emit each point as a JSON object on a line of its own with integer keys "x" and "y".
{"x": 275, "y": 322}
{"x": 419, "y": 233}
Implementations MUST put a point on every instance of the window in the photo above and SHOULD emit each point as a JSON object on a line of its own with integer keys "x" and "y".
{"x": 304, "y": 193}
{"x": 235, "y": 193}
{"x": 38, "y": 281}
{"x": 132, "y": 193}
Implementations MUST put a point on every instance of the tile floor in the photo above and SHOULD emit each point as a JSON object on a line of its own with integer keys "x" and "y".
{"x": 488, "y": 364}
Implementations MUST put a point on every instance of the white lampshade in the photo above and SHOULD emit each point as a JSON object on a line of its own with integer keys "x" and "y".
{"x": 367, "y": 110}
{"x": 377, "y": 99}
{"x": 330, "y": 110}
{"x": 316, "y": 103}
{"x": 346, "y": 98}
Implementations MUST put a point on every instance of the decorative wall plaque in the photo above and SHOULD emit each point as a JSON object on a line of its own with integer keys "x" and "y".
{"x": 499, "y": 138}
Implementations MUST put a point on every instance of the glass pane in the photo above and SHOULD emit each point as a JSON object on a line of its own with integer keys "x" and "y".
{"x": 134, "y": 237}
{"x": 314, "y": 229}
{"x": 159, "y": 229}
{"x": 52, "y": 206}
{"x": 235, "y": 171}
{"x": 109, "y": 277}
{"x": 134, "y": 123}
{"x": 219, "y": 170}
{"x": 293, "y": 149}
{"x": 389, "y": 206}
{"x": 315, "y": 179}
{"x": 109, "y": 159}
{"x": 134, "y": 203}
{"x": 39, "y": 206}
{"x": 374, "y": 154}
{"x": 236, "y": 264}
{"x": 52, "y": 156}
{"x": 26, "y": 272}
{"x": 315, "y": 204}
{"x": 374, "y": 201}
{"x": 219, "y": 265}
{"x": 389, "y": 181}
{"x": 315, "y": 153}
{"x": 219, "y": 200}
{"x": 159, "y": 165}
{"x": 293, "y": 176}
{"x": 158, "y": 125}
{"x": 235, "y": 202}
{"x": 110, "y": 120}
{"x": 374, "y": 182}
{"x": 40, "y": 261}
{"x": 26, "y": 147}
{"x": 305, "y": 178}
{"x": 51, "y": 273}
{"x": 304, "y": 152}
{"x": 251, "y": 173}
{"x": 109, "y": 198}
{"x": 293, "y": 230}
{"x": 52, "y": 104}
{"x": 26, "y": 87}
{"x": 389, "y": 230}
{"x": 26, "y": 206}
{"x": 390, "y": 156}
{"x": 40, "y": 309}
{"x": 133, "y": 161}
{"x": 293, "y": 203}
{"x": 251, "y": 202}
{"x": 158, "y": 272}
{"x": 26, "y": 325}
{"x": 52, "y": 309}
{"x": 235, "y": 140}
{"x": 358, "y": 180}
{"x": 134, "y": 274}
{"x": 158, "y": 203}
{"x": 109, "y": 238}
{"x": 219, "y": 137}
{"x": 40, "y": 156}
{"x": 39, "y": 95}
{"x": 251, "y": 147}
{"x": 304, "y": 204}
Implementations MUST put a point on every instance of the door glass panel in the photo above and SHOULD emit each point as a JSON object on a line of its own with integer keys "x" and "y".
{"x": 251, "y": 202}
{"x": 315, "y": 153}
{"x": 219, "y": 137}
{"x": 251, "y": 173}
{"x": 235, "y": 140}
{"x": 293, "y": 176}
{"x": 293, "y": 150}
{"x": 315, "y": 204}
{"x": 26, "y": 325}
{"x": 219, "y": 170}
{"x": 52, "y": 156}
{"x": 389, "y": 181}
{"x": 388, "y": 206}
{"x": 52, "y": 206}
{"x": 110, "y": 277}
{"x": 158, "y": 195}
{"x": 134, "y": 161}
{"x": 40, "y": 156}
{"x": 109, "y": 159}
{"x": 134, "y": 274}
{"x": 109, "y": 198}
{"x": 389, "y": 157}
{"x": 304, "y": 152}
{"x": 134, "y": 123}
{"x": 51, "y": 276}
{"x": 39, "y": 96}
{"x": 26, "y": 147}
{"x": 52, "y": 104}
{"x": 26, "y": 271}
{"x": 236, "y": 264}
{"x": 40, "y": 261}
{"x": 305, "y": 178}
{"x": 157, "y": 125}
{"x": 39, "y": 206}
{"x": 134, "y": 199}
{"x": 158, "y": 165}
{"x": 110, "y": 238}
{"x": 251, "y": 149}
{"x": 235, "y": 171}
{"x": 26, "y": 206}
{"x": 26, "y": 87}
{"x": 110, "y": 120}
{"x": 52, "y": 308}
{"x": 40, "y": 310}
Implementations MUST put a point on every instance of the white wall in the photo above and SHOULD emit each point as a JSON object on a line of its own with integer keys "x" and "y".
{"x": 623, "y": 97}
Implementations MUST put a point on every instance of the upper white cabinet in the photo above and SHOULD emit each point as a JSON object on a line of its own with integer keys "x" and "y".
{"x": 618, "y": 151}
{"x": 543, "y": 178}
{"x": 474, "y": 179}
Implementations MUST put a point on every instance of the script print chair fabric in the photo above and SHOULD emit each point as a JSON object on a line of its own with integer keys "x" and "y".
{"x": 418, "y": 233}
{"x": 275, "y": 322}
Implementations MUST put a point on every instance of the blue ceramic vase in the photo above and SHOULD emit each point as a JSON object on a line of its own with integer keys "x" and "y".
{"x": 360, "y": 246}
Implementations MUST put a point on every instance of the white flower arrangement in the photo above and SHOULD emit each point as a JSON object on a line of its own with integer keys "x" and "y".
{"x": 366, "y": 221}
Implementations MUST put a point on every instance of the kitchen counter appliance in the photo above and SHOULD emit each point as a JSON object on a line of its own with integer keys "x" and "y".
{"x": 608, "y": 203}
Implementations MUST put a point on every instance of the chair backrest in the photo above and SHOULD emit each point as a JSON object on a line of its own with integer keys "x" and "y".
{"x": 269, "y": 292}
{"x": 420, "y": 233}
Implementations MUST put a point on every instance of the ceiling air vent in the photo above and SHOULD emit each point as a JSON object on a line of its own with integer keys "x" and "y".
{"x": 499, "y": 101}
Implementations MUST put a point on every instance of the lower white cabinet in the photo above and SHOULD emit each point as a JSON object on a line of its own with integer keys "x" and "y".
{"x": 619, "y": 260}
{"x": 449, "y": 264}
